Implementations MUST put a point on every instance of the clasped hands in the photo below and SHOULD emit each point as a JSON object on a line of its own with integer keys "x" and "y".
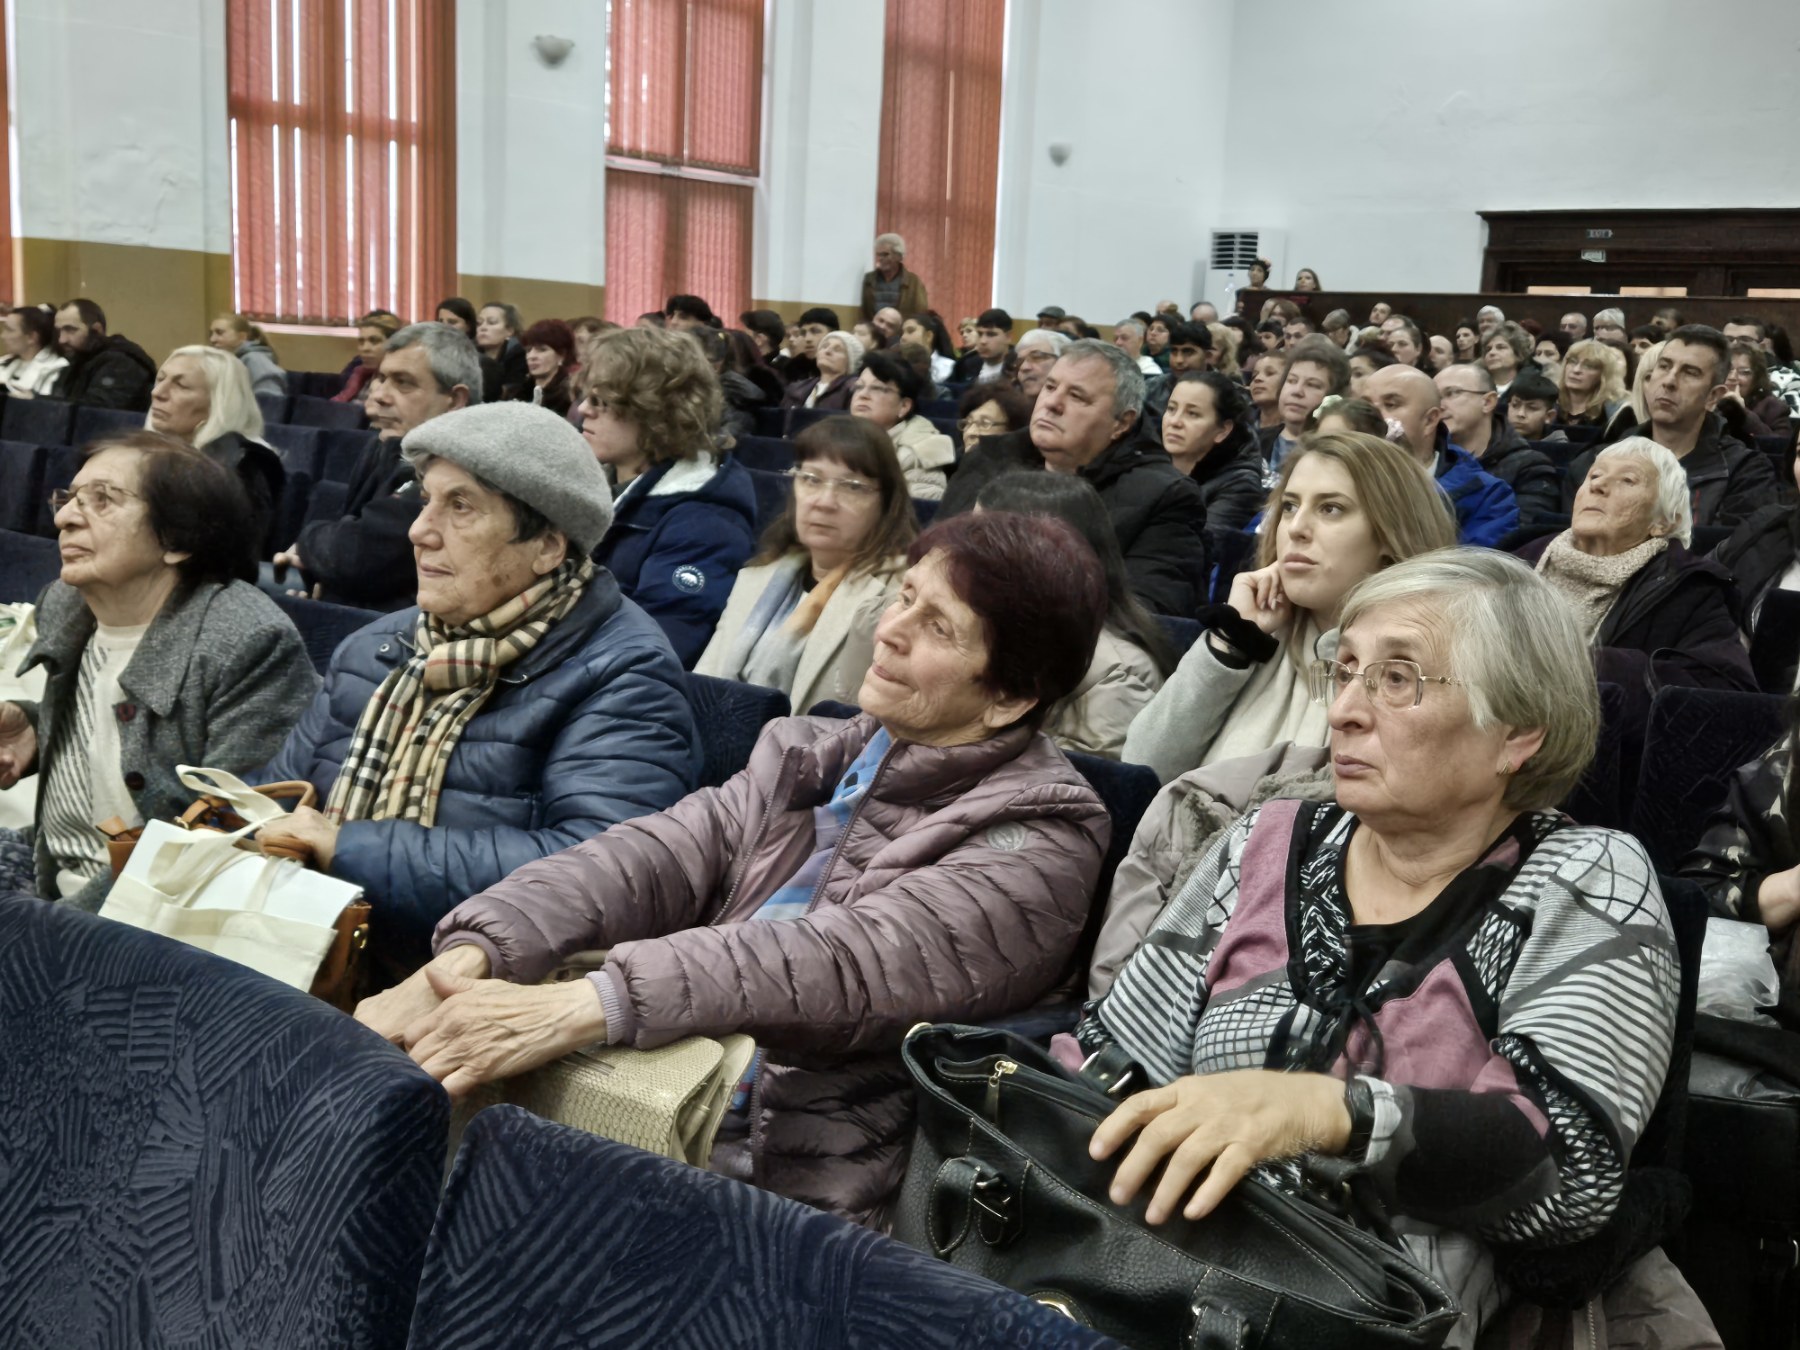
{"x": 1222, "y": 1124}
{"x": 465, "y": 1029}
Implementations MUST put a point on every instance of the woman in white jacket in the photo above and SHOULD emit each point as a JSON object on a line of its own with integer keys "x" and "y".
{"x": 31, "y": 366}
{"x": 887, "y": 394}
{"x": 801, "y": 616}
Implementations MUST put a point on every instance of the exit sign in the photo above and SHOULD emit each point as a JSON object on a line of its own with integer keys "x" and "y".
{"x": 1599, "y": 234}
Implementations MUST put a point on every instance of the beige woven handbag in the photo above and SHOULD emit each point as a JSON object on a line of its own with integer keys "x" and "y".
{"x": 670, "y": 1100}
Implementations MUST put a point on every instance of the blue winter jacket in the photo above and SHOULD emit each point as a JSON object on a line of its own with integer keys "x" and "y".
{"x": 679, "y": 535}
{"x": 1486, "y": 510}
{"x": 590, "y": 728}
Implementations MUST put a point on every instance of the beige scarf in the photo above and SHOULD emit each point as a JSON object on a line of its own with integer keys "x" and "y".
{"x": 1592, "y": 582}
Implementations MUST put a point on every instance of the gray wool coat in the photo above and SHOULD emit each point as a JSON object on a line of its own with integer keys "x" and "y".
{"x": 219, "y": 680}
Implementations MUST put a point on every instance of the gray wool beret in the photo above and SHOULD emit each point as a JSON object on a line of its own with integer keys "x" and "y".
{"x": 529, "y": 453}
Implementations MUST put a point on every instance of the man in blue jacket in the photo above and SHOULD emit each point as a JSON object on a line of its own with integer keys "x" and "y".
{"x": 1486, "y": 511}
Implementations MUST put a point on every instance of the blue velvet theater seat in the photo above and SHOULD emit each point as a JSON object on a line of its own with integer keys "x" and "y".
{"x": 555, "y": 1239}
{"x": 193, "y": 1155}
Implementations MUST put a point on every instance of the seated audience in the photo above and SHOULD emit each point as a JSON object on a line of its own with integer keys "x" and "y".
{"x": 1505, "y": 352}
{"x": 1343, "y": 507}
{"x": 1548, "y": 353}
{"x": 1206, "y": 430}
{"x": 1338, "y": 326}
{"x": 887, "y": 394}
{"x": 235, "y": 334}
{"x": 1643, "y": 337}
{"x": 1405, "y": 340}
{"x": 991, "y": 356}
{"x": 1272, "y": 334}
{"x": 1306, "y": 280}
{"x": 1084, "y": 422}
{"x": 1530, "y": 406}
{"x": 104, "y": 370}
{"x": 684, "y": 313}
{"x": 1379, "y": 313}
{"x": 1466, "y": 339}
{"x": 928, "y": 330}
{"x": 769, "y": 333}
{"x": 1747, "y": 383}
{"x": 1439, "y": 354}
{"x": 1189, "y": 352}
{"x": 1466, "y": 395}
{"x": 992, "y": 408}
{"x": 372, "y": 333}
{"x": 522, "y": 706}
{"x": 1763, "y": 555}
{"x": 1369, "y": 357}
{"x": 931, "y": 860}
{"x": 684, "y": 511}
{"x": 802, "y": 612}
{"x": 1132, "y": 657}
{"x": 889, "y": 284}
{"x": 497, "y": 330}
{"x": 1128, "y": 337}
{"x": 919, "y": 358}
{"x": 1574, "y": 325}
{"x": 1653, "y": 613}
{"x": 745, "y": 382}
{"x": 1591, "y": 389}
{"x": 1314, "y": 369}
{"x": 1156, "y": 337}
{"x": 836, "y": 358}
{"x": 154, "y": 655}
{"x": 966, "y": 332}
{"x": 1037, "y": 351}
{"x": 743, "y": 358}
{"x": 202, "y": 396}
{"x": 1486, "y": 510}
{"x": 364, "y": 558}
{"x": 549, "y": 357}
{"x": 1340, "y": 416}
{"x": 459, "y": 314}
{"x": 1488, "y": 318}
{"x": 867, "y": 334}
{"x": 1609, "y": 327}
{"x": 32, "y": 365}
{"x": 1203, "y": 311}
{"x": 1726, "y": 479}
{"x": 1265, "y": 371}
{"x": 1487, "y": 1082}
{"x": 887, "y": 324}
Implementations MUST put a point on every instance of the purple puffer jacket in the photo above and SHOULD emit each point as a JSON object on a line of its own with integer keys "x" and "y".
{"x": 957, "y": 893}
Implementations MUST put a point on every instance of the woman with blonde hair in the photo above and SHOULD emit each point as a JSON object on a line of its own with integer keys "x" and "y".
{"x": 1343, "y": 507}
{"x": 235, "y": 334}
{"x": 1226, "y": 344}
{"x": 202, "y": 396}
{"x": 1591, "y": 387}
{"x": 684, "y": 511}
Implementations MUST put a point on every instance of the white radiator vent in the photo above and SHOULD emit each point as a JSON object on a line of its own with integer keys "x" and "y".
{"x": 1234, "y": 250}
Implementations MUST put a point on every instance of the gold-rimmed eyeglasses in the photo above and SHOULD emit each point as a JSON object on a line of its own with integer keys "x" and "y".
{"x": 1392, "y": 683}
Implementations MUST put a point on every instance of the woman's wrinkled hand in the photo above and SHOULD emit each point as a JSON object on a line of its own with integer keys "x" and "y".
{"x": 485, "y": 1030}
{"x": 393, "y": 1012}
{"x": 18, "y": 744}
{"x": 1222, "y": 1124}
{"x": 1778, "y": 899}
{"x": 304, "y": 825}
{"x": 1258, "y": 597}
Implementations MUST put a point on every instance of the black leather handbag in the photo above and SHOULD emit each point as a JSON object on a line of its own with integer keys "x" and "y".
{"x": 1000, "y": 1183}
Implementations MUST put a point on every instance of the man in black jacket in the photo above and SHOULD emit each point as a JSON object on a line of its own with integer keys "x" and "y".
{"x": 365, "y": 558}
{"x": 1084, "y": 423}
{"x": 993, "y": 349}
{"x": 104, "y": 371}
{"x": 1466, "y": 394}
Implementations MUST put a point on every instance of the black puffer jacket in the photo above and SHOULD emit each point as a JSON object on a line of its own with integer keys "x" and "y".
{"x": 260, "y": 470}
{"x": 364, "y": 558}
{"x": 1759, "y": 551}
{"x": 991, "y": 457}
{"x": 114, "y": 372}
{"x": 1231, "y": 484}
{"x": 1529, "y": 473}
{"x": 1727, "y": 480}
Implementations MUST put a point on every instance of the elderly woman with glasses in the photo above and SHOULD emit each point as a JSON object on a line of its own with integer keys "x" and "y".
{"x": 1437, "y": 981}
{"x": 154, "y": 655}
{"x": 801, "y": 615}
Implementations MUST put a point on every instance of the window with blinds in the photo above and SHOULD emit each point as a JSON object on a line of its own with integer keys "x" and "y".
{"x": 684, "y": 149}
{"x": 940, "y": 146}
{"x": 343, "y": 157}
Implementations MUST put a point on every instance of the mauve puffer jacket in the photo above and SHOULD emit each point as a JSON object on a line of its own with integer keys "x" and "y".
{"x": 590, "y": 727}
{"x": 957, "y": 893}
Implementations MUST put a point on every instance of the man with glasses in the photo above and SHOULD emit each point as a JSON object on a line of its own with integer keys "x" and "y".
{"x": 1037, "y": 352}
{"x": 993, "y": 349}
{"x": 1466, "y": 396}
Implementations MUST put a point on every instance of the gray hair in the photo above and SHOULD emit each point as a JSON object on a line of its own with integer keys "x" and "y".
{"x": 1674, "y": 510}
{"x": 451, "y": 355}
{"x": 1338, "y": 318}
{"x": 893, "y": 241}
{"x": 1612, "y": 318}
{"x": 1495, "y": 310}
{"x": 1044, "y": 337}
{"x": 1480, "y": 600}
{"x": 231, "y": 399}
{"x": 1128, "y": 380}
{"x": 1130, "y": 326}
{"x": 1513, "y": 336}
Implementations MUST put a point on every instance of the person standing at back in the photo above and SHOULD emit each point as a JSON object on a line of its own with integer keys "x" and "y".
{"x": 890, "y": 285}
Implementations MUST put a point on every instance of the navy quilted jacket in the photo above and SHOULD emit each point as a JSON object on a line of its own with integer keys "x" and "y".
{"x": 679, "y": 535}
{"x": 592, "y": 727}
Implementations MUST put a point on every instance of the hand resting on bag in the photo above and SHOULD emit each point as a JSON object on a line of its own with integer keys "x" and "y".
{"x": 393, "y": 1013}
{"x": 485, "y": 1030}
{"x": 1223, "y": 1124}
{"x": 305, "y": 825}
{"x": 18, "y": 745}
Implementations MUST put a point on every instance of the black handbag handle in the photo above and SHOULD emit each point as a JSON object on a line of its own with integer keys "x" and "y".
{"x": 1219, "y": 1328}
{"x": 972, "y": 1197}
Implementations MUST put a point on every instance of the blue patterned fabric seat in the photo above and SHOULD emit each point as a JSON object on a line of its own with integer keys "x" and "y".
{"x": 730, "y": 716}
{"x": 194, "y": 1155}
{"x": 552, "y": 1238}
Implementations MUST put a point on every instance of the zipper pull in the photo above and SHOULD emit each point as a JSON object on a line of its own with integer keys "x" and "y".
{"x": 1001, "y": 1069}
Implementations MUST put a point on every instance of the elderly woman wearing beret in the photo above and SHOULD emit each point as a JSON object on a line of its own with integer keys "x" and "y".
{"x": 931, "y": 859}
{"x": 523, "y": 705}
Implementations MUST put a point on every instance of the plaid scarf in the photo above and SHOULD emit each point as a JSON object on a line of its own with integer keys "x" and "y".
{"x": 403, "y": 741}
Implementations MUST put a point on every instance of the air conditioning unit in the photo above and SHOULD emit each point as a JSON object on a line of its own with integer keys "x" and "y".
{"x": 1227, "y": 264}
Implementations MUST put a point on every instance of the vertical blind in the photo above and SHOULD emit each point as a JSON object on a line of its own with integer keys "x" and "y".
{"x": 6, "y": 232}
{"x": 940, "y": 146}
{"x": 343, "y": 145}
{"x": 684, "y": 95}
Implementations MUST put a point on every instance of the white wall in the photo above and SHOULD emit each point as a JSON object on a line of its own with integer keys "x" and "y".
{"x": 120, "y": 122}
{"x": 1413, "y": 115}
{"x": 531, "y": 141}
{"x": 1136, "y": 89}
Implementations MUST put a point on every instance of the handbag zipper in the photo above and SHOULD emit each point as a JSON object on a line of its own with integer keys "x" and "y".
{"x": 1032, "y": 1081}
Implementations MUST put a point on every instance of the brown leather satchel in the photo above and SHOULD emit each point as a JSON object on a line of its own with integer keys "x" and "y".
{"x": 339, "y": 980}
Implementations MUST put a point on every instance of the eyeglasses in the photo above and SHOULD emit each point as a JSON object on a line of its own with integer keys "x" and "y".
{"x": 815, "y": 484}
{"x": 1392, "y": 684}
{"x": 1460, "y": 393}
{"x": 983, "y": 426}
{"x": 95, "y": 499}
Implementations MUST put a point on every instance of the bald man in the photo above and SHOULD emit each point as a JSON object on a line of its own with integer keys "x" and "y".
{"x": 1486, "y": 510}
